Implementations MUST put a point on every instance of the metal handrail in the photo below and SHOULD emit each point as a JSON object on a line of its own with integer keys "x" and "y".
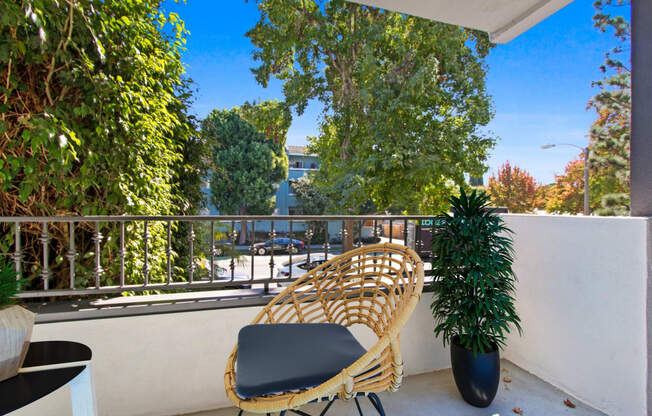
{"x": 203, "y": 218}
{"x": 100, "y": 286}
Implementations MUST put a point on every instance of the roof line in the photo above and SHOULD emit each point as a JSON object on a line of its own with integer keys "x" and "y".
{"x": 535, "y": 14}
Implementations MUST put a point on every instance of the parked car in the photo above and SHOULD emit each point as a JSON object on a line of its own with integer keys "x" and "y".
{"x": 301, "y": 265}
{"x": 222, "y": 275}
{"x": 280, "y": 244}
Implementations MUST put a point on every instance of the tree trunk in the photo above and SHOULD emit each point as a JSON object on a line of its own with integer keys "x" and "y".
{"x": 348, "y": 238}
{"x": 243, "y": 227}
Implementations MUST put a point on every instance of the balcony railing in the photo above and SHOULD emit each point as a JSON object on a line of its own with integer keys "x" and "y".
{"x": 95, "y": 256}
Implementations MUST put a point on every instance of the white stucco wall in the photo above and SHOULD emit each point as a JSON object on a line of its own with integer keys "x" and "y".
{"x": 582, "y": 300}
{"x": 174, "y": 363}
{"x": 581, "y": 297}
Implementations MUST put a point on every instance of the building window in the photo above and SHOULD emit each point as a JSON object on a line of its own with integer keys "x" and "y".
{"x": 296, "y": 165}
{"x": 313, "y": 166}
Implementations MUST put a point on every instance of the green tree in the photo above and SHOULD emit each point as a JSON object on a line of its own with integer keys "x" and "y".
{"x": 246, "y": 165}
{"x": 191, "y": 171}
{"x": 403, "y": 98}
{"x": 189, "y": 175}
{"x": 91, "y": 122}
{"x": 610, "y": 133}
{"x": 272, "y": 118}
{"x": 311, "y": 200}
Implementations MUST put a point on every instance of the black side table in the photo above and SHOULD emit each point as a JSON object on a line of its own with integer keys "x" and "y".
{"x": 48, "y": 366}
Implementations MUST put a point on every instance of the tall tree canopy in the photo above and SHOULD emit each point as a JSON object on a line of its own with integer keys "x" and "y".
{"x": 514, "y": 188}
{"x": 272, "y": 118}
{"x": 248, "y": 161}
{"x": 93, "y": 120}
{"x": 89, "y": 113}
{"x": 404, "y": 98}
{"x": 246, "y": 164}
{"x": 610, "y": 133}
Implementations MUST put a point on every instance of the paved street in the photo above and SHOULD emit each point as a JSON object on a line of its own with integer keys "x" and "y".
{"x": 262, "y": 263}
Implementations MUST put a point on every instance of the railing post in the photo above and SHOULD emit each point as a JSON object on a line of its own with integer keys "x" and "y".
{"x": 45, "y": 240}
{"x": 326, "y": 244}
{"x": 290, "y": 249}
{"x": 405, "y": 232}
{"x": 272, "y": 235}
{"x": 376, "y": 229}
{"x": 168, "y": 253}
{"x": 72, "y": 253}
{"x": 309, "y": 234}
{"x": 234, "y": 235}
{"x": 252, "y": 248}
{"x": 212, "y": 252}
{"x": 191, "y": 238}
{"x": 122, "y": 253}
{"x": 146, "y": 254}
{"x": 18, "y": 254}
{"x": 97, "y": 239}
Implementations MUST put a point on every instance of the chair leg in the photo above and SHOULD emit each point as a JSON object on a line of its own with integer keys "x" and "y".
{"x": 375, "y": 400}
{"x": 357, "y": 404}
{"x": 328, "y": 406}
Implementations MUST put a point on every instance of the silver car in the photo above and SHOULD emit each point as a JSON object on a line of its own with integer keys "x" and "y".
{"x": 300, "y": 265}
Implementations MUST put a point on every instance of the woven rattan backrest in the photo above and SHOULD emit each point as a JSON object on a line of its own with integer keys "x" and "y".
{"x": 378, "y": 286}
{"x": 365, "y": 286}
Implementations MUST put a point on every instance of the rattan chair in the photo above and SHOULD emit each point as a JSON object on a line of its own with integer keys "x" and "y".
{"x": 377, "y": 286}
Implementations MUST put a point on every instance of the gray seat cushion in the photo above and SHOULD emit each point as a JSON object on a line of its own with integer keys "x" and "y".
{"x": 274, "y": 358}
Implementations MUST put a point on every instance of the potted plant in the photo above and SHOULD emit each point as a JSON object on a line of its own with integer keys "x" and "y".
{"x": 16, "y": 324}
{"x": 473, "y": 289}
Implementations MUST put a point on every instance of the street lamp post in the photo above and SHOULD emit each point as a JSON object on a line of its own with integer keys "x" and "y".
{"x": 585, "y": 151}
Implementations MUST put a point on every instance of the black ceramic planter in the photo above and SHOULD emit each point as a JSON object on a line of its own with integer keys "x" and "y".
{"x": 476, "y": 376}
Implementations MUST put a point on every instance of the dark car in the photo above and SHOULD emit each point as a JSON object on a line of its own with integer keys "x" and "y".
{"x": 280, "y": 244}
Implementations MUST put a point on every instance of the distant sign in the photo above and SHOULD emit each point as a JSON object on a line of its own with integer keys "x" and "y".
{"x": 423, "y": 240}
{"x": 425, "y": 228}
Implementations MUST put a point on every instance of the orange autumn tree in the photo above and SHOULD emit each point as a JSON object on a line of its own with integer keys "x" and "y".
{"x": 543, "y": 195}
{"x": 567, "y": 194}
{"x": 514, "y": 188}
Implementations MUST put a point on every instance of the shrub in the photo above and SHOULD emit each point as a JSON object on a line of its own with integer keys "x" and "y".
{"x": 474, "y": 282}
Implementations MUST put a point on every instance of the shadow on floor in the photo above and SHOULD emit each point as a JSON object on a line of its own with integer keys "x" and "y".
{"x": 435, "y": 394}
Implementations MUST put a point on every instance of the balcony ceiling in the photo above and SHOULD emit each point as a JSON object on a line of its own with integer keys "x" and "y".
{"x": 502, "y": 19}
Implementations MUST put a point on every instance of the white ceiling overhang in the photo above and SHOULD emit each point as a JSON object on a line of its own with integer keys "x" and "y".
{"x": 502, "y": 19}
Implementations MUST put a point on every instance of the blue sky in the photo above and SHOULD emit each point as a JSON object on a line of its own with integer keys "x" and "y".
{"x": 540, "y": 81}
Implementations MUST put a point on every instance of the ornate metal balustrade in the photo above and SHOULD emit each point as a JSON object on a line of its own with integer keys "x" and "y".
{"x": 103, "y": 255}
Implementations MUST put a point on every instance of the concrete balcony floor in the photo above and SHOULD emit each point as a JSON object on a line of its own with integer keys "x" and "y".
{"x": 435, "y": 394}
